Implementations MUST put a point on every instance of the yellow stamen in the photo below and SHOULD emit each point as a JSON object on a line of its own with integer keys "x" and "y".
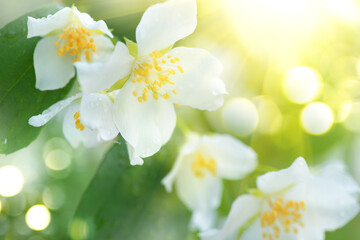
{"x": 200, "y": 164}
{"x": 76, "y": 115}
{"x": 180, "y": 69}
{"x": 166, "y": 96}
{"x": 75, "y": 41}
{"x": 284, "y": 214}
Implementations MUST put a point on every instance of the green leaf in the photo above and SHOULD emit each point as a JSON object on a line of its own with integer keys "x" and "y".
{"x": 132, "y": 46}
{"x": 19, "y": 100}
{"x": 119, "y": 84}
{"x": 129, "y": 202}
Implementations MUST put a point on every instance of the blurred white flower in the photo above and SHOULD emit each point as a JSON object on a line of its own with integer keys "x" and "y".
{"x": 292, "y": 204}
{"x": 157, "y": 78}
{"x": 69, "y": 36}
{"x": 201, "y": 165}
{"x": 88, "y": 119}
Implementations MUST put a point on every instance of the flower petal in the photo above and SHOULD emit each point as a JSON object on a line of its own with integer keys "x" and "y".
{"x": 147, "y": 125}
{"x": 336, "y": 172}
{"x": 310, "y": 233}
{"x": 199, "y": 86}
{"x": 202, "y": 220}
{"x": 276, "y": 181}
{"x": 254, "y": 232}
{"x": 192, "y": 141}
{"x": 98, "y": 76}
{"x": 329, "y": 206}
{"x": 49, "y": 24}
{"x": 75, "y": 136}
{"x": 233, "y": 158}
{"x": 198, "y": 194}
{"x": 134, "y": 158}
{"x": 45, "y": 116}
{"x": 104, "y": 47}
{"x": 165, "y": 23}
{"x": 242, "y": 210}
{"x": 96, "y": 113}
{"x": 52, "y": 71}
{"x": 89, "y": 22}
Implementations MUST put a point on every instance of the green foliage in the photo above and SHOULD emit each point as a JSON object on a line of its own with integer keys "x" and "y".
{"x": 129, "y": 202}
{"x": 19, "y": 100}
{"x": 132, "y": 46}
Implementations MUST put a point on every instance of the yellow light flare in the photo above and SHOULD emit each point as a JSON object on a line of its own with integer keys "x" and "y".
{"x": 301, "y": 84}
{"x": 38, "y": 217}
{"x": 240, "y": 116}
{"x": 11, "y": 181}
{"x": 317, "y": 118}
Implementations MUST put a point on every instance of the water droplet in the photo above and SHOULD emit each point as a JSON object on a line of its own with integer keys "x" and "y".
{"x": 10, "y": 34}
{"x": 4, "y": 141}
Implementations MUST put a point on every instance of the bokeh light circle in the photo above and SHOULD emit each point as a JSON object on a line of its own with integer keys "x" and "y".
{"x": 240, "y": 116}
{"x": 301, "y": 84}
{"x": 38, "y": 217}
{"x": 57, "y": 160}
{"x": 11, "y": 181}
{"x": 317, "y": 118}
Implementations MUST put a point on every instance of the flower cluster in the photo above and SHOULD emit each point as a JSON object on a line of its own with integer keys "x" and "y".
{"x": 127, "y": 89}
{"x": 292, "y": 204}
{"x": 131, "y": 89}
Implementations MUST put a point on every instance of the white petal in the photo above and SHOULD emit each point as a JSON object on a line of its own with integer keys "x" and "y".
{"x": 96, "y": 113}
{"x": 165, "y": 23}
{"x": 276, "y": 181}
{"x": 199, "y": 86}
{"x": 202, "y": 220}
{"x": 198, "y": 194}
{"x": 52, "y": 71}
{"x": 242, "y": 210}
{"x": 254, "y": 232}
{"x": 192, "y": 141}
{"x": 329, "y": 206}
{"x": 89, "y": 22}
{"x": 45, "y": 116}
{"x": 98, "y": 76}
{"x": 336, "y": 172}
{"x": 49, "y": 24}
{"x": 75, "y": 136}
{"x": 134, "y": 158}
{"x": 169, "y": 179}
{"x": 104, "y": 46}
{"x": 147, "y": 125}
{"x": 233, "y": 158}
{"x": 310, "y": 232}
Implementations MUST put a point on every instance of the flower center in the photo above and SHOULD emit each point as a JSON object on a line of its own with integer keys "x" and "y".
{"x": 200, "y": 165}
{"x": 78, "y": 124}
{"x": 152, "y": 74}
{"x": 75, "y": 40}
{"x": 284, "y": 216}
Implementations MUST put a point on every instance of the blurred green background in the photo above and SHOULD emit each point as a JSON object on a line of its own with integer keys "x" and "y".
{"x": 291, "y": 68}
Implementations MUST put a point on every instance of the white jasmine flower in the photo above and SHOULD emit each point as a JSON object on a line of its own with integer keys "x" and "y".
{"x": 69, "y": 36}
{"x": 89, "y": 121}
{"x": 157, "y": 78}
{"x": 292, "y": 204}
{"x": 201, "y": 165}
